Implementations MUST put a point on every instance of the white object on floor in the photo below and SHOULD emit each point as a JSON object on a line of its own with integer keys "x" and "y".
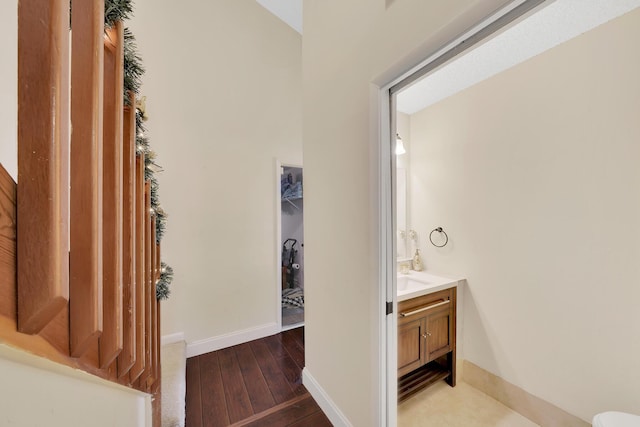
{"x": 174, "y": 384}
{"x": 616, "y": 419}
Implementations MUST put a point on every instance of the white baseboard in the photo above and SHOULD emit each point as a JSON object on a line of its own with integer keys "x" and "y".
{"x": 172, "y": 338}
{"x": 207, "y": 345}
{"x": 323, "y": 400}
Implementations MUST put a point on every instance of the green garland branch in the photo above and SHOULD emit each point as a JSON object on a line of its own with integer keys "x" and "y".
{"x": 116, "y": 10}
{"x": 133, "y": 69}
{"x": 162, "y": 285}
{"x": 161, "y": 223}
{"x": 140, "y": 115}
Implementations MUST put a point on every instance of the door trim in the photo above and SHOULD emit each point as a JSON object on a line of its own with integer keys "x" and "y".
{"x": 383, "y": 101}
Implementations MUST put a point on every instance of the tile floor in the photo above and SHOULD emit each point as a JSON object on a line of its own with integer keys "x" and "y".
{"x": 460, "y": 406}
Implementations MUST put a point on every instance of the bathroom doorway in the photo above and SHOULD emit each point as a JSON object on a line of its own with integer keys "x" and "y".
{"x": 400, "y": 118}
{"x": 401, "y": 241}
{"x": 291, "y": 259}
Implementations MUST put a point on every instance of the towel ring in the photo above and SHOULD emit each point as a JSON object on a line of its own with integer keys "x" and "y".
{"x": 439, "y": 230}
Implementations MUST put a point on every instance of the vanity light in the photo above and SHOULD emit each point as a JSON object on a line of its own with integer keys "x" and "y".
{"x": 399, "y": 146}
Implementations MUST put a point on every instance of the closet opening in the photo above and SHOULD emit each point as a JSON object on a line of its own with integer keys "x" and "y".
{"x": 291, "y": 265}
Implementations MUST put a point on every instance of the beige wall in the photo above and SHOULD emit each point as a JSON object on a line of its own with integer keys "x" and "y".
{"x": 8, "y": 86}
{"x": 223, "y": 93}
{"x": 36, "y": 392}
{"x": 346, "y": 47}
{"x": 534, "y": 174}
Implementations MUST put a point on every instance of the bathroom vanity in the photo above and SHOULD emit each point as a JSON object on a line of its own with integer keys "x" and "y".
{"x": 426, "y": 332}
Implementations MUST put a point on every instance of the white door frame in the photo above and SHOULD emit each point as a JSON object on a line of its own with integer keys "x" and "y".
{"x": 278, "y": 238}
{"x": 383, "y": 98}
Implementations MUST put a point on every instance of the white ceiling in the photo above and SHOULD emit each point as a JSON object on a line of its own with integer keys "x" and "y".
{"x": 554, "y": 24}
{"x": 290, "y": 11}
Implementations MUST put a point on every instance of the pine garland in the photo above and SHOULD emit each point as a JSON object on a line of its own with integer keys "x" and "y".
{"x": 161, "y": 223}
{"x": 140, "y": 119}
{"x": 155, "y": 201}
{"x": 133, "y": 69}
{"x": 116, "y": 10}
{"x": 162, "y": 285}
{"x": 142, "y": 144}
{"x": 148, "y": 166}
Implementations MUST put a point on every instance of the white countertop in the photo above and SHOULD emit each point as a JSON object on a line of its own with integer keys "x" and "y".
{"x": 418, "y": 283}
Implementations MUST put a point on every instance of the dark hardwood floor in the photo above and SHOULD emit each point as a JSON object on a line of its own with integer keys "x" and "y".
{"x": 253, "y": 384}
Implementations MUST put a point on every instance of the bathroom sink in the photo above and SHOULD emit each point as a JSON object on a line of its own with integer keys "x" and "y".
{"x": 417, "y": 283}
{"x": 407, "y": 284}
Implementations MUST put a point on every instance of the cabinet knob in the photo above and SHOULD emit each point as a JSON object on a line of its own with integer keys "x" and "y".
{"x": 428, "y": 334}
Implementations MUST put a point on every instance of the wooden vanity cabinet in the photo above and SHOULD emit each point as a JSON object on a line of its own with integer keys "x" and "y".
{"x": 411, "y": 345}
{"x": 426, "y": 341}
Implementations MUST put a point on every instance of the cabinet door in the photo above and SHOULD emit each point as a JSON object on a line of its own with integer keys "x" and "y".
{"x": 439, "y": 330}
{"x": 411, "y": 349}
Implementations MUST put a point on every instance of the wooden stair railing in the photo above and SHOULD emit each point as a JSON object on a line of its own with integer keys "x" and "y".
{"x": 79, "y": 260}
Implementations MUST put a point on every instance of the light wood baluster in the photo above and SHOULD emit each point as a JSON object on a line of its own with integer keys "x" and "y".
{"x": 141, "y": 213}
{"x": 111, "y": 340}
{"x": 43, "y": 160}
{"x": 147, "y": 281}
{"x": 127, "y": 356}
{"x": 154, "y": 306}
{"x": 158, "y": 304}
{"x": 87, "y": 70}
{"x": 7, "y": 247}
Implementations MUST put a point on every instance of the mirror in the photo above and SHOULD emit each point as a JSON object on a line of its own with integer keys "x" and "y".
{"x": 401, "y": 212}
